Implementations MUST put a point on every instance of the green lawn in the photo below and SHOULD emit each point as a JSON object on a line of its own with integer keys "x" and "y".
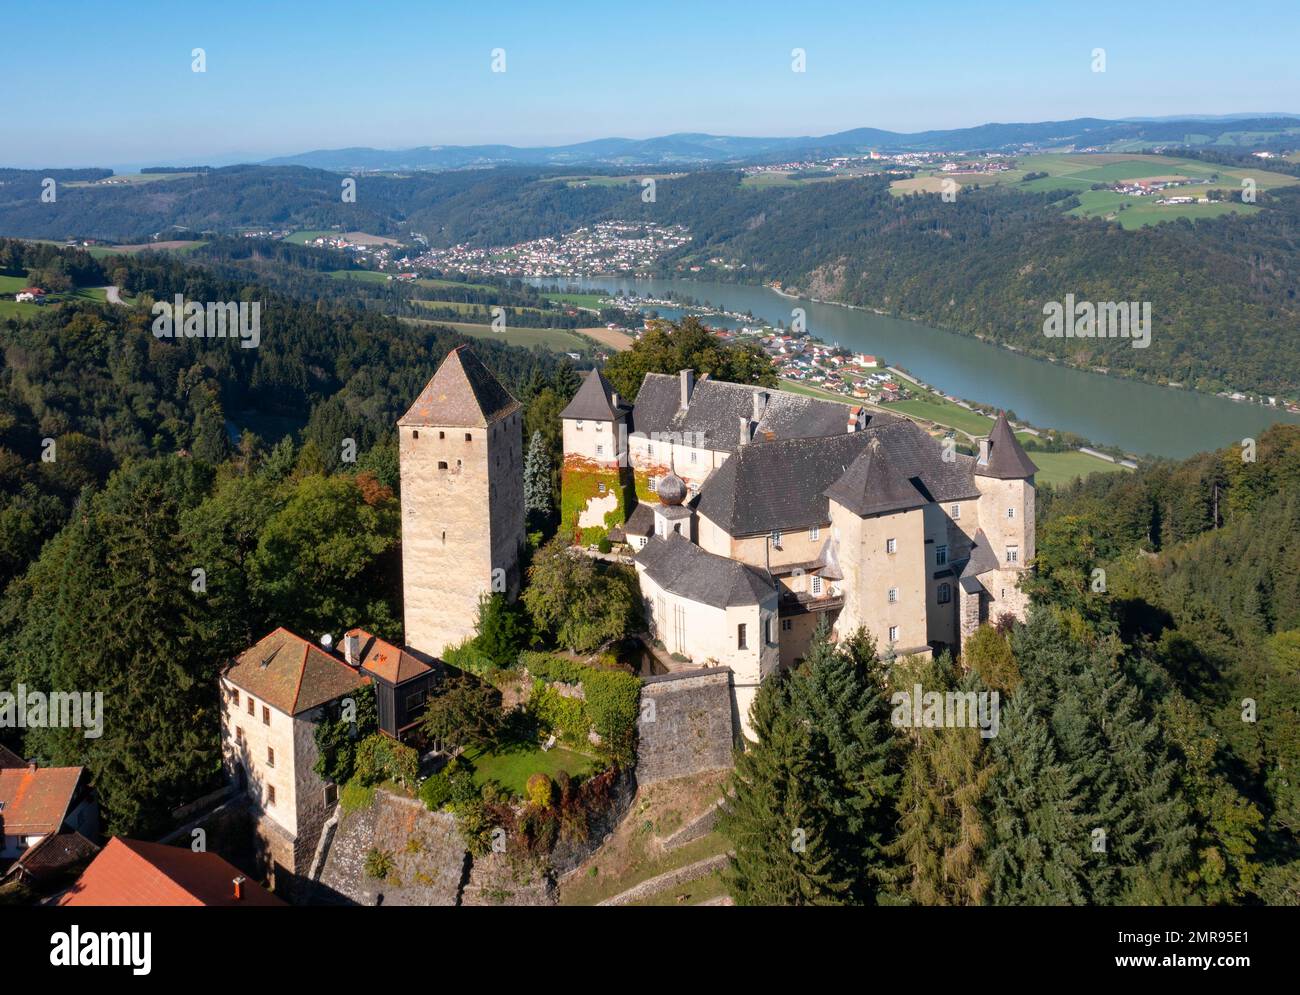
{"x": 511, "y": 766}
{"x": 12, "y": 284}
{"x": 303, "y": 237}
{"x": 364, "y": 275}
{"x": 555, "y": 339}
{"x": 933, "y": 407}
{"x": 591, "y": 301}
{"x": 589, "y": 889}
{"x": 1061, "y": 468}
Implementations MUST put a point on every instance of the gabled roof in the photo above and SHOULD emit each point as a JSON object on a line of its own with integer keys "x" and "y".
{"x": 132, "y": 872}
{"x": 1006, "y": 459}
{"x": 34, "y": 801}
{"x": 716, "y": 407}
{"x": 391, "y": 663}
{"x": 53, "y": 855}
{"x": 594, "y": 400}
{"x": 678, "y": 565}
{"x": 292, "y": 674}
{"x": 462, "y": 394}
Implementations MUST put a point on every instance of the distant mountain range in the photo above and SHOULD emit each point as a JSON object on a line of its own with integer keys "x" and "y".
{"x": 1233, "y": 131}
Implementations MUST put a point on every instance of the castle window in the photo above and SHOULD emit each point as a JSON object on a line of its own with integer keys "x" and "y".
{"x": 776, "y": 538}
{"x": 250, "y": 705}
{"x": 767, "y": 630}
{"x": 945, "y": 594}
{"x": 270, "y": 794}
{"x": 693, "y": 456}
{"x": 600, "y": 450}
{"x": 442, "y": 435}
{"x": 442, "y": 464}
{"x": 600, "y": 427}
{"x": 459, "y": 464}
{"x": 469, "y": 436}
{"x": 940, "y": 555}
{"x": 816, "y": 585}
{"x": 786, "y": 625}
{"x": 415, "y": 434}
{"x": 600, "y": 487}
{"x": 650, "y": 449}
{"x": 239, "y": 735}
{"x": 891, "y": 545}
{"x": 814, "y": 533}
{"x": 1011, "y": 512}
{"x": 1013, "y": 554}
{"x": 266, "y": 716}
{"x": 579, "y": 425}
{"x": 653, "y": 483}
{"x": 740, "y": 637}
{"x": 694, "y": 489}
{"x": 893, "y": 595}
{"x": 893, "y": 633}
{"x": 270, "y": 757}
{"x": 956, "y": 511}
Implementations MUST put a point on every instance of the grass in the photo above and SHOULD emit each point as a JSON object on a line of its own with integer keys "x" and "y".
{"x": 590, "y": 301}
{"x": 929, "y": 406}
{"x": 363, "y": 275}
{"x": 555, "y": 339}
{"x": 303, "y": 237}
{"x": 588, "y": 889}
{"x": 688, "y": 893}
{"x": 512, "y": 765}
{"x": 129, "y": 179}
{"x": 1061, "y": 468}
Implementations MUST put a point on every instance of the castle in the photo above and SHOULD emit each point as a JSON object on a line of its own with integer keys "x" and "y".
{"x": 758, "y": 512}
{"x": 751, "y": 514}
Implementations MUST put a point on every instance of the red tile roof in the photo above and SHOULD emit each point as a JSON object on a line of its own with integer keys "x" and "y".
{"x": 34, "y": 801}
{"x": 132, "y": 872}
{"x": 292, "y": 674}
{"x": 387, "y": 661}
{"x": 462, "y": 393}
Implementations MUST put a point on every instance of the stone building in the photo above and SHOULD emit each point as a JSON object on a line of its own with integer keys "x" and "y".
{"x": 461, "y": 451}
{"x": 273, "y": 695}
{"x": 865, "y": 521}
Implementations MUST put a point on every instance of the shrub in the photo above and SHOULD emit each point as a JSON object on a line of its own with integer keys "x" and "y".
{"x": 356, "y": 796}
{"x": 540, "y": 790}
{"x": 566, "y": 717}
{"x": 466, "y": 712}
{"x": 435, "y": 792}
{"x": 382, "y": 758}
{"x": 469, "y": 657}
{"x": 604, "y": 545}
{"x": 611, "y": 705}
{"x": 379, "y": 863}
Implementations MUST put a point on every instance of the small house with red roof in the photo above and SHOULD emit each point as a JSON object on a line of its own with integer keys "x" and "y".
{"x": 37, "y": 801}
{"x": 273, "y": 696}
{"x": 132, "y": 872}
{"x": 404, "y": 679}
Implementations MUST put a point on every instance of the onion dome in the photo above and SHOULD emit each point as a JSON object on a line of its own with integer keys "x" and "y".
{"x": 671, "y": 489}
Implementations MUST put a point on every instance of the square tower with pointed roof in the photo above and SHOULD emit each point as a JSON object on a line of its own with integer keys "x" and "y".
{"x": 462, "y": 500}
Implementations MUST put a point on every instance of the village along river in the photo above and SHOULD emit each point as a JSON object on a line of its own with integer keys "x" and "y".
{"x": 1138, "y": 417}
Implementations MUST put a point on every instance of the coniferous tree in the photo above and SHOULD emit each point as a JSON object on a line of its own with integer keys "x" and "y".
{"x": 1037, "y": 839}
{"x": 781, "y": 853}
{"x": 941, "y": 830}
{"x": 537, "y": 481}
{"x": 839, "y": 695}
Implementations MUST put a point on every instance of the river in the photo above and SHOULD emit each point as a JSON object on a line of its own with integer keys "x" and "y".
{"x": 1141, "y": 418}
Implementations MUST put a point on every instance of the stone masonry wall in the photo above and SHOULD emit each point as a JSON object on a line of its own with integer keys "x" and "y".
{"x": 689, "y": 729}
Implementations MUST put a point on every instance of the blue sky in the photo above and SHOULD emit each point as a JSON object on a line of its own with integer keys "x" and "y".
{"x": 112, "y": 84}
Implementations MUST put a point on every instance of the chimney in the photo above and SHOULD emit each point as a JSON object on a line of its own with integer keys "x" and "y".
{"x": 352, "y": 649}
{"x": 855, "y": 418}
{"x": 688, "y": 387}
{"x": 760, "y": 404}
{"x": 744, "y": 430}
{"x": 239, "y": 888}
{"x": 984, "y": 451}
{"x": 613, "y": 400}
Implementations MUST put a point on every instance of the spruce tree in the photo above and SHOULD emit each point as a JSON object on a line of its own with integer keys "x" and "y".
{"x": 537, "y": 481}
{"x": 1035, "y": 828}
{"x": 780, "y": 849}
{"x": 852, "y": 756}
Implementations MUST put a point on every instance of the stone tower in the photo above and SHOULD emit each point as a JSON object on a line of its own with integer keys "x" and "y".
{"x": 1003, "y": 548}
{"x": 462, "y": 500}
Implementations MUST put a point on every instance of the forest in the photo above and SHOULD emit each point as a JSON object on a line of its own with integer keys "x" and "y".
{"x": 1222, "y": 290}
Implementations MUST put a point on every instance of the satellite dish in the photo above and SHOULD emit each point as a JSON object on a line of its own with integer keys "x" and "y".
{"x": 327, "y": 641}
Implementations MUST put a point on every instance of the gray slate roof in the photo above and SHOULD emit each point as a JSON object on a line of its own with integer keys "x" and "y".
{"x": 678, "y": 565}
{"x": 784, "y": 484}
{"x": 1007, "y": 460}
{"x": 982, "y": 559}
{"x": 716, "y": 407}
{"x": 594, "y": 400}
{"x": 873, "y": 485}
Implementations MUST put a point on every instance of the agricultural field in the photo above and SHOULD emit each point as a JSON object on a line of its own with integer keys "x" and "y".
{"x": 1078, "y": 172}
{"x": 1061, "y": 468}
{"x": 129, "y": 179}
{"x": 589, "y": 301}
{"x": 555, "y": 339}
{"x": 611, "y": 181}
{"x": 361, "y": 275}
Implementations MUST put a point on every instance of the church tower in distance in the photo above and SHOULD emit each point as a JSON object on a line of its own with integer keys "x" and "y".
{"x": 461, "y": 446}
